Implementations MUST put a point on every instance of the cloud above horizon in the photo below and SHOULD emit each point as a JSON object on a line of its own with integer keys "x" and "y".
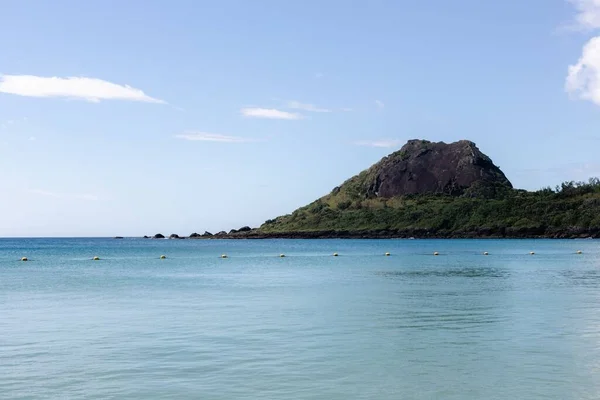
{"x": 88, "y": 197}
{"x": 89, "y": 89}
{"x": 212, "y": 137}
{"x": 583, "y": 79}
{"x": 269, "y": 113}
{"x": 306, "y": 107}
{"x": 588, "y": 13}
{"x": 383, "y": 143}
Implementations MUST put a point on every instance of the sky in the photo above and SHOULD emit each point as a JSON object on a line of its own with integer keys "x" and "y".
{"x": 136, "y": 117}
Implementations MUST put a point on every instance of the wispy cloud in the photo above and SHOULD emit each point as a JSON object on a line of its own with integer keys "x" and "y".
{"x": 387, "y": 143}
{"x": 212, "y": 137}
{"x": 588, "y": 14}
{"x": 306, "y": 107}
{"x": 379, "y": 103}
{"x": 90, "y": 89}
{"x": 269, "y": 113}
{"x": 9, "y": 122}
{"x": 88, "y": 197}
{"x": 568, "y": 171}
{"x": 585, "y": 170}
{"x": 346, "y": 109}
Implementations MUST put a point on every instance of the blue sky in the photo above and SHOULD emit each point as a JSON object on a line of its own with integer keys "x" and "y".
{"x": 136, "y": 117}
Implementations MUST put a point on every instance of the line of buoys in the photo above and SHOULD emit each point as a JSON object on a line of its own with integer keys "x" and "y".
{"x": 387, "y": 254}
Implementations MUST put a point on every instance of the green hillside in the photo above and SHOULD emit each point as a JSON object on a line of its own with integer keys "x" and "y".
{"x": 570, "y": 210}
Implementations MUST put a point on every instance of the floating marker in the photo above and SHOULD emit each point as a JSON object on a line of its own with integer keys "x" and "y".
{"x": 387, "y": 254}
{"x": 282, "y": 255}
{"x": 223, "y": 255}
{"x": 96, "y": 258}
{"x": 532, "y": 252}
{"x": 436, "y": 253}
{"x": 163, "y": 257}
{"x": 335, "y": 254}
{"x": 579, "y": 252}
{"x": 24, "y": 259}
{"x": 485, "y": 253}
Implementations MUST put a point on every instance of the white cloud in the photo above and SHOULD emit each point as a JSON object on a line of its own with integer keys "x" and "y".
{"x": 212, "y": 137}
{"x": 88, "y": 197}
{"x": 270, "y": 113}
{"x": 379, "y": 103}
{"x": 90, "y": 89}
{"x": 346, "y": 109}
{"x": 588, "y": 13}
{"x": 306, "y": 107}
{"x": 583, "y": 79}
{"x": 379, "y": 143}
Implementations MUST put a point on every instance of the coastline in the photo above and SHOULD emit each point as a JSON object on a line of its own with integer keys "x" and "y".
{"x": 500, "y": 233}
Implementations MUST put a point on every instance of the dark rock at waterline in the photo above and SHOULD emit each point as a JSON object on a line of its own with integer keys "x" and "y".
{"x": 222, "y": 233}
{"x": 146, "y": 237}
{"x": 194, "y": 235}
{"x": 232, "y": 232}
{"x": 118, "y": 237}
{"x": 158, "y": 236}
{"x": 207, "y": 234}
{"x": 244, "y": 229}
{"x": 174, "y": 236}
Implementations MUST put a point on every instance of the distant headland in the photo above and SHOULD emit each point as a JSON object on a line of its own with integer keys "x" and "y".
{"x": 435, "y": 190}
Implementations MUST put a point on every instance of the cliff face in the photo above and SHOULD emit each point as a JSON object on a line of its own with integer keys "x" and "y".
{"x": 421, "y": 167}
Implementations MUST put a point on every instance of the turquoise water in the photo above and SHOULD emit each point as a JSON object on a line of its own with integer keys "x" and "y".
{"x": 308, "y": 326}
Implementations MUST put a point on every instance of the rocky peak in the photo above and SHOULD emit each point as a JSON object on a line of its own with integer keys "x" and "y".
{"x": 421, "y": 166}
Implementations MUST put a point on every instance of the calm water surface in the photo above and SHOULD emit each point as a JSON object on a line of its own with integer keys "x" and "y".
{"x": 307, "y": 326}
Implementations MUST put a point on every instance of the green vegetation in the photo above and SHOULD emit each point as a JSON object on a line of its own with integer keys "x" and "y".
{"x": 572, "y": 209}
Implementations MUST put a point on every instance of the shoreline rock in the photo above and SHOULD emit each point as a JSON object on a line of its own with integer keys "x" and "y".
{"x": 506, "y": 233}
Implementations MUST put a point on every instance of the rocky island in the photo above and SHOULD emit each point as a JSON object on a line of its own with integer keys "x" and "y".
{"x": 438, "y": 190}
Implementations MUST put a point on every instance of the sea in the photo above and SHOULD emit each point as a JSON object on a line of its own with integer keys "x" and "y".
{"x": 310, "y": 325}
